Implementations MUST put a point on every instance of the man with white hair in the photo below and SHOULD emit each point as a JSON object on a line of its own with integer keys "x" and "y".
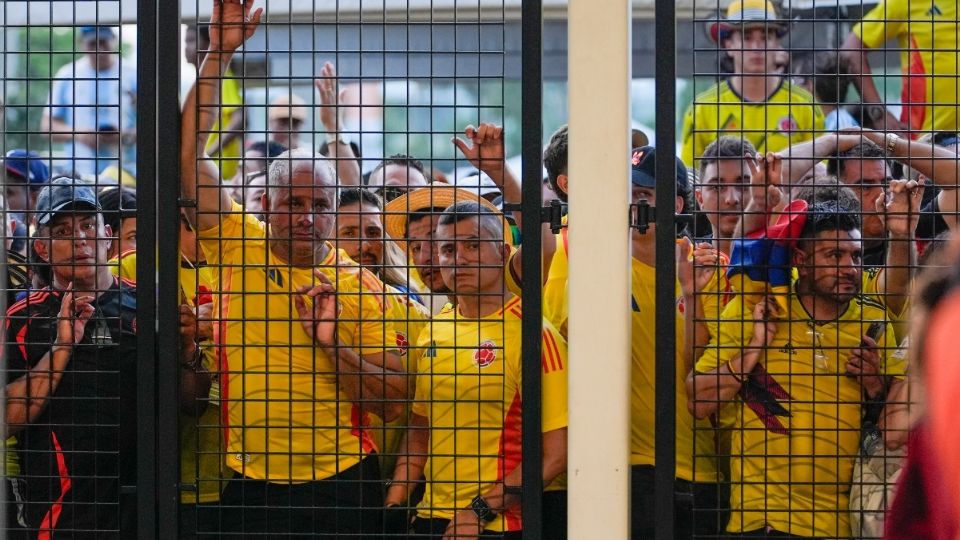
{"x": 304, "y": 354}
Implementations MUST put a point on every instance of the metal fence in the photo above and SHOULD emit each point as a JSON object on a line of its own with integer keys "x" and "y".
{"x": 272, "y": 270}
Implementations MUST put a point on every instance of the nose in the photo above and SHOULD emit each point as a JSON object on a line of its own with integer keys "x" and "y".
{"x": 732, "y": 197}
{"x": 305, "y": 219}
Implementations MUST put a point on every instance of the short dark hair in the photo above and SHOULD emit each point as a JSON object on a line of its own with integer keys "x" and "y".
{"x": 830, "y": 215}
{"x": 866, "y": 150}
{"x": 555, "y": 159}
{"x": 829, "y": 73}
{"x": 117, "y": 204}
{"x": 825, "y": 188}
{"x": 402, "y": 160}
{"x": 361, "y": 196}
{"x": 462, "y": 210}
{"x": 725, "y": 147}
{"x": 271, "y": 149}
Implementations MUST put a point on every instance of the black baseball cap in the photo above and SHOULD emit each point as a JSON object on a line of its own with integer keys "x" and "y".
{"x": 643, "y": 170}
{"x": 65, "y": 194}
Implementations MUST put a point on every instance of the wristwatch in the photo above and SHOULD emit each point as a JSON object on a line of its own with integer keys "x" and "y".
{"x": 482, "y": 509}
{"x": 333, "y": 138}
{"x": 891, "y": 144}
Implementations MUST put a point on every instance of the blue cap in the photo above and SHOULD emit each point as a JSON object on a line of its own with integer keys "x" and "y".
{"x": 28, "y": 165}
{"x": 65, "y": 194}
{"x": 96, "y": 32}
{"x": 644, "y": 166}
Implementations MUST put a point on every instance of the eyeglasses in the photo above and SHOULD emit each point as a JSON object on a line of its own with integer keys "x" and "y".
{"x": 389, "y": 193}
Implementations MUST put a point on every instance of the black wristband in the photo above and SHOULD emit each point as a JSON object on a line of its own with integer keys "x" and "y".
{"x": 482, "y": 509}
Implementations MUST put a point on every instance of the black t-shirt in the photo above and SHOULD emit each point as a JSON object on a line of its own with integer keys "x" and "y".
{"x": 930, "y": 222}
{"x": 82, "y": 447}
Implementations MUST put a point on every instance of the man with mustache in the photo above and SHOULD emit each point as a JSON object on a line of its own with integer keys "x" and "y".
{"x": 305, "y": 352}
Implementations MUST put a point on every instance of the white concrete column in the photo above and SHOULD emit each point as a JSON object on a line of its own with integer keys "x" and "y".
{"x": 599, "y": 283}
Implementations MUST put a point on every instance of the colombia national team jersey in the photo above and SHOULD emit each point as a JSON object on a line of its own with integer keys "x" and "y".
{"x": 286, "y": 418}
{"x": 788, "y": 117}
{"x": 696, "y": 459}
{"x": 797, "y": 417}
{"x": 926, "y": 34}
{"x": 468, "y": 388}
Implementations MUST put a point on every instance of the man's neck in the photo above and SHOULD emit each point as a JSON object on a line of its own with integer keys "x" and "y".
{"x": 643, "y": 247}
{"x": 482, "y": 304}
{"x": 281, "y": 250}
{"x": 755, "y": 88}
{"x": 722, "y": 244}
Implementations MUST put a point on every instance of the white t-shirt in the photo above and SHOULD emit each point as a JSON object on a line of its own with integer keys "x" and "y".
{"x": 839, "y": 119}
{"x": 88, "y": 100}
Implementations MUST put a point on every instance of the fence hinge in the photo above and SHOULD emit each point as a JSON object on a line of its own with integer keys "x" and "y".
{"x": 552, "y": 213}
{"x": 642, "y": 215}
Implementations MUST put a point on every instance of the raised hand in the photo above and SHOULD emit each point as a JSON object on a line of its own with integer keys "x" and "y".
{"x": 485, "y": 150}
{"x": 899, "y": 207}
{"x": 73, "y": 318}
{"x": 330, "y": 98}
{"x": 696, "y": 266}
{"x": 765, "y": 180}
{"x": 864, "y": 365}
{"x": 231, "y": 24}
{"x": 320, "y": 321}
{"x": 764, "y": 326}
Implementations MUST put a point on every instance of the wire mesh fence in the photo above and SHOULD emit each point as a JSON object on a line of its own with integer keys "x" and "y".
{"x": 344, "y": 315}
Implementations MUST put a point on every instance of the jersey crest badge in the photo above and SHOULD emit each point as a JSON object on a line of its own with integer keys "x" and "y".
{"x": 787, "y": 124}
{"x": 486, "y": 354}
{"x": 402, "y": 343}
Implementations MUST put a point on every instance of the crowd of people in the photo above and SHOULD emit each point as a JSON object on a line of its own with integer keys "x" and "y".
{"x": 350, "y": 344}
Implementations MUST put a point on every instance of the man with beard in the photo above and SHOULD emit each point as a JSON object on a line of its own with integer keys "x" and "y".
{"x": 801, "y": 370}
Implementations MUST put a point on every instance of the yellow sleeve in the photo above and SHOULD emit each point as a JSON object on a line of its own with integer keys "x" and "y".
{"x": 513, "y": 285}
{"x": 421, "y": 393}
{"x": 365, "y": 306}
{"x": 882, "y": 23}
{"x": 554, "y": 380}
{"x": 892, "y": 363}
{"x": 687, "y": 153}
{"x": 219, "y": 241}
{"x": 731, "y": 335}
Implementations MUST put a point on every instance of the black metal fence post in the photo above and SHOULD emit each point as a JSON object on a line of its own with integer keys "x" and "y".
{"x": 147, "y": 75}
{"x": 665, "y": 405}
{"x": 532, "y": 128}
{"x": 168, "y": 259}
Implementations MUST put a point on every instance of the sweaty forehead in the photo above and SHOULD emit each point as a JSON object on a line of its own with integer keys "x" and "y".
{"x": 838, "y": 239}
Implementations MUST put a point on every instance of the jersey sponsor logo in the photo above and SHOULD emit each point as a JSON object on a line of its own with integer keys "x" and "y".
{"x": 485, "y": 354}
{"x": 787, "y": 124}
{"x": 431, "y": 351}
{"x": 934, "y": 11}
{"x": 402, "y": 343}
{"x": 788, "y": 349}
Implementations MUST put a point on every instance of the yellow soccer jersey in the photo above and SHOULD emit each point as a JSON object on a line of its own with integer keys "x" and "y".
{"x": 926, "y": 33}
{"x": 409, "y": 318}
{"x": 286, "y": 418}
{"x": 555, "y": 299}
{"x": 231, "y": 103}
{"x": 124, "y": 265}
{"x": 788, "y": 117}
{"x": 468, "y": 387}
{"x": 797, "y": 429}
{"x": 689, "y": 443}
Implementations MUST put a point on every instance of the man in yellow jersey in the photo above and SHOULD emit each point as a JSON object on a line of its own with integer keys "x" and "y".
{"x": 304, "y": 350}
{"x": 411, "y": 220}
{"x": 699, "y": 505}
{"x": 756, "y": 101}
{"x": 226, "y": 135}
{"x": 360, "y": 234}
{"x": 798, "y": 376}
{"x": 465, "y": 431}
{"x": 926, "y": 33}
